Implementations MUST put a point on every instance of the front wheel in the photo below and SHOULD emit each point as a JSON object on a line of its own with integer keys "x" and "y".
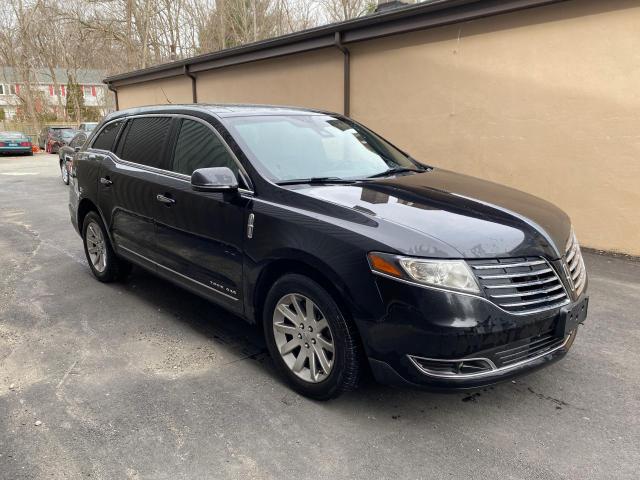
{"x": 105, "y": 265}
{"x": 312, "y": 343}
{"x": 64, "y": 172}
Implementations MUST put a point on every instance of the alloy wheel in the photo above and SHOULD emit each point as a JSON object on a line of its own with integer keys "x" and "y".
{"x": 96, "y": 247}
{"x": 64, "y": 172}
{"x": 303, "y": 337}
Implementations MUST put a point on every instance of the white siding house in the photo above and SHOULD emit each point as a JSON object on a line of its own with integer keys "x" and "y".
{"x": 53, "y": 94}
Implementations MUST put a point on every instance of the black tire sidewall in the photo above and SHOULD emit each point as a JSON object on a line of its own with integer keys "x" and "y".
{"x": 333, "y": 385}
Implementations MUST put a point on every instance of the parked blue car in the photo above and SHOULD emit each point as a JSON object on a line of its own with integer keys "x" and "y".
{"x": 15, "y": 143}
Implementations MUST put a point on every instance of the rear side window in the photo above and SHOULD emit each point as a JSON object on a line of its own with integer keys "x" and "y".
{"x": 199, "y": 147}
{"x": 104, "y": 141}
{"x": 144, "y": 140}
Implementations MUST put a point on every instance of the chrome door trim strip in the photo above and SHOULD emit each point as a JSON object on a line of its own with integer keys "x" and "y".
{"x": 170, "y": 173}
{"x": 178, "y": 273}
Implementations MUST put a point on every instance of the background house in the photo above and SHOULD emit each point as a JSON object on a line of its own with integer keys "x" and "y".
{"x": 51, "y": 91}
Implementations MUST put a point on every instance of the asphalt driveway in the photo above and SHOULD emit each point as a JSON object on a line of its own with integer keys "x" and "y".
{"x": 145, "y": 381}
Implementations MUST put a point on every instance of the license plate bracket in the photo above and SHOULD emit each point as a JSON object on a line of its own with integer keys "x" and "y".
{"x": 571, "y": 316}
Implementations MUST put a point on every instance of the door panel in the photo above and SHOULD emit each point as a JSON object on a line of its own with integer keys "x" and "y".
{"x": 199, "y": 236}
{"x": 127, "y": 200}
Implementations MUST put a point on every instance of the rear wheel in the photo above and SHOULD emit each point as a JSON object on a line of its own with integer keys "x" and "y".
{"x": 105, "y": 265}
{"x": 313, "y": 345}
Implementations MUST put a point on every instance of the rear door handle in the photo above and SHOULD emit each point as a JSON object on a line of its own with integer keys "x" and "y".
{"x": 106, "y": 181}
{"x": 166, "y": 200}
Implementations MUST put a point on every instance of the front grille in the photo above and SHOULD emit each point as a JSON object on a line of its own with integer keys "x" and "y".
{"x": 520, "y": 285}
{"x": 576, "y": 271}
{"x": 528, "y": 349}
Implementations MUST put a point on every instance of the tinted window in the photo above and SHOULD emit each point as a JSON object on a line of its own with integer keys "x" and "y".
{"x": 199, "y": 147}
{"x": 105, "y": 139}
{"x": 144, "y": 140}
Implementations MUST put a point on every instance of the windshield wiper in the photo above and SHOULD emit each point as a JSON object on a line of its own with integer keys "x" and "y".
{"x": 393, "y": 171}
{"x": 315, "y": 181}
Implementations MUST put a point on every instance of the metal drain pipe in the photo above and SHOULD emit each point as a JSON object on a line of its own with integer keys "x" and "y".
{"x": 115, "y": 92}
{"x": 194, "y": 90}
{"x": 347, "y": 73}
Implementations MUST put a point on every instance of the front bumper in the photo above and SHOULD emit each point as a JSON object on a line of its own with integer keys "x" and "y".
{"x": 425, "y": 329}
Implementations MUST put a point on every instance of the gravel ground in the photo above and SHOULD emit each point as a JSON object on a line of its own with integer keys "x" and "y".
{"x": 145, "y": 381}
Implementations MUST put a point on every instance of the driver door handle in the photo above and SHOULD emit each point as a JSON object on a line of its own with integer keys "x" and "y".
{"x": 166, "y": 200}
{"x": 106, "y": 181}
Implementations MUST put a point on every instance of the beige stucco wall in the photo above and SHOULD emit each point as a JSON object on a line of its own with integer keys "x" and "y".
{"x": 545, "y": 100}
{"x": 170, "y": 90}
{"x": 311, "y": 79}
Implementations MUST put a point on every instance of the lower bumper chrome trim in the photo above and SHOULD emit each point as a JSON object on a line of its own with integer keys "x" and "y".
{"x": 494, "y": 370}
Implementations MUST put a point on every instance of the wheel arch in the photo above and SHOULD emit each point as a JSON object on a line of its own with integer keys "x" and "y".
{"x": 85, "y": 206}
{"x": 312, "y": 268}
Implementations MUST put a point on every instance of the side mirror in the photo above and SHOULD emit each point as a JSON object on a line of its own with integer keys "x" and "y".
{"x": 214, "y": 179}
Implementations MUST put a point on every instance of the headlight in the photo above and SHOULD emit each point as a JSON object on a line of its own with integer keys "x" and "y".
{"x": 446, "y": 274}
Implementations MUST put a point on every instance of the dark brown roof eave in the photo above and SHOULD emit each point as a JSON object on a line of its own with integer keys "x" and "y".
{"x": 420, "y": 16}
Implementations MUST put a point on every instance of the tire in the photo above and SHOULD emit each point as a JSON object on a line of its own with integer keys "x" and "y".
{"x": 64, "y": 172}
{"x": 105, "y": 265}
{"x": 282, "y": 332}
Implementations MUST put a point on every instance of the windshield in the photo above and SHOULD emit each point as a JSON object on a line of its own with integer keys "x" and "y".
{"x": 311, "y": 146}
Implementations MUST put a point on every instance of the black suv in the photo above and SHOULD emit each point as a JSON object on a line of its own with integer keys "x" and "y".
{"x": 348, "y": 252}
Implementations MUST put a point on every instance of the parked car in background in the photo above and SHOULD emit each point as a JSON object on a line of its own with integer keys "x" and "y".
{"x": 45, "y": 135}
{"x": 15, "y": 143}
{"x": 66, "y": 153}
{"x": 349, "y": 254}
{"x": 87, "y": 126}
{"x": 60, "y": 138}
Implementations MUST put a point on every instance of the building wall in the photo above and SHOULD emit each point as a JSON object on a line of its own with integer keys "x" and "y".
{"x": 545, "y": 100}
{"x": 311, "y": 79}
{"x": 170, "y": 90}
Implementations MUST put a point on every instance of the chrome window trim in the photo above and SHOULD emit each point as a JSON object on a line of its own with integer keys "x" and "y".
{"x": 489, "y": 372}
{"x": 171, "y": 173}
{"x": 178, "y": 273}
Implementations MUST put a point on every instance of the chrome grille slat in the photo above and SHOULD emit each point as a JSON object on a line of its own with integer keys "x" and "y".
{"x": 536, "y": 301}
{"x": 574, "y": 265}
{"x": 522, "y": 284}
{"x": 510, "y": 351}
{"x": 508, "y": 265}
{"x": 531, "y": 348}
{"x": 539, "y": 346}
{"x": 529, "y": 285}
{"x": 527, "y": 294}
{"x": 516, "y": 275}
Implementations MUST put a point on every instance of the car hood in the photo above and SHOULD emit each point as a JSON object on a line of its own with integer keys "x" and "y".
{"x": 456, "y": 214}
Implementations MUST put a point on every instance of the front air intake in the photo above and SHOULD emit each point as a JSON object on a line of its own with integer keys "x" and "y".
{"x": 452, "y": 368}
